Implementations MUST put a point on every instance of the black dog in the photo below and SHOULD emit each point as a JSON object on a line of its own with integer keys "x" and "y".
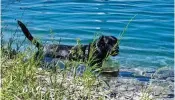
{"x": 104, "y": 46}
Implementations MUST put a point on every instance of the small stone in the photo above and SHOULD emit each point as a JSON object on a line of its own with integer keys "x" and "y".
{"x": 170, "y": 96}
{"x": 142, "y": 78}
{"x": 113, "y": 95}
{"x": 164, "y": 73}
{"x": 171, "y": 87}
{"x": 80, "y": 69}
{"x": 148, "y": 75}
{"x": 48, "y": 59}
{"x": 60, "y": 64}
{"x": 170, "y": 79}
{"x": 131, "y": 88}
{"x": 110, "y": 73}
{"x": 158, "y": 90}
{"x": 126, "y": 74}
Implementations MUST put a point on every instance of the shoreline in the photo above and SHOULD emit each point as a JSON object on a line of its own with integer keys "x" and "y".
{"x": 133, "y": 83}
{"x": 138, "y": 84}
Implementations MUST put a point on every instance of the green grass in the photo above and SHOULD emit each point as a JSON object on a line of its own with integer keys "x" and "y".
{"x": 24, "y": 78}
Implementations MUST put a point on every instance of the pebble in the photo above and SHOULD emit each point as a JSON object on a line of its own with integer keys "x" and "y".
{"x": 170, "y": 96}
{"x": 130, "y": 84}
{"x": 164, "y": 73}
{"x": 126, "y": 74}
{"x": 171, "y": 79}
{"x": 80, "y": 69}
{"x": 60, "y": 64}
{"x": 133, "y": 82}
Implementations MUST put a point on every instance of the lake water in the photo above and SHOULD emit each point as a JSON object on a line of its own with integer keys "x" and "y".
{"x": 148, "y": 41}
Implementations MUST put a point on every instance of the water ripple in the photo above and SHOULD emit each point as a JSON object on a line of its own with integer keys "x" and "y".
{"x": 148, "y": 41}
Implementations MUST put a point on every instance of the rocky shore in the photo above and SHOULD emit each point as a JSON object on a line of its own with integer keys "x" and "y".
{"x": 133, "y": 84}
{"x": 137, "y": 83}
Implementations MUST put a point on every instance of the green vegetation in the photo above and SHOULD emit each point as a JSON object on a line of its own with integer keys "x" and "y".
{"x": 24, "y": 77}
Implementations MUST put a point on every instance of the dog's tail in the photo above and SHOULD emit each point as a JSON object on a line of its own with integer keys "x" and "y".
{"x": 28, "y": 35}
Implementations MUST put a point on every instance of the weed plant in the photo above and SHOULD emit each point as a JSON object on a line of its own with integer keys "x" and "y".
{"x": 25, "y": 78}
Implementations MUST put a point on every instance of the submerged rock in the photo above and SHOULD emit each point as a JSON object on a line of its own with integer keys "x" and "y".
{"x": 143, "y": 78}
{"x": 110, "y": 71}
{"x": 170, "y": 79}
{"x": 164, "y": 73}
{"x": 126, "y": 74}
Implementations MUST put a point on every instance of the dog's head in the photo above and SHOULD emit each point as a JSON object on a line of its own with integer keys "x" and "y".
{"x": 108, "y": 44}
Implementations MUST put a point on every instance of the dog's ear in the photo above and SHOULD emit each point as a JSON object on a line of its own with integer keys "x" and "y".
{"x": 113, "y": 38}
{"x": 101, "y": 40}
{"x": 108, "y": 40}
{"x": 101, "y": 43}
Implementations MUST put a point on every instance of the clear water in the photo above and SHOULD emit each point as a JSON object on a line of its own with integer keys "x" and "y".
{"x": 148, "y": 42}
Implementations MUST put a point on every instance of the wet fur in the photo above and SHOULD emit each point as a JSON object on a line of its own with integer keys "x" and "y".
{"x": 105, "y": 46}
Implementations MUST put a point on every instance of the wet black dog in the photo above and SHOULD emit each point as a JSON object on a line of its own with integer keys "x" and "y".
{"x": 94, "y": 52}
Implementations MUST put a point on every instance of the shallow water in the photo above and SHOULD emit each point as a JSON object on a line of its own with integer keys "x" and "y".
{"x": 148, "y": 41}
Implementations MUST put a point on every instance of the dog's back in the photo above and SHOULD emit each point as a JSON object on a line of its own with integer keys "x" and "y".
{"x": 103, "y": 47}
